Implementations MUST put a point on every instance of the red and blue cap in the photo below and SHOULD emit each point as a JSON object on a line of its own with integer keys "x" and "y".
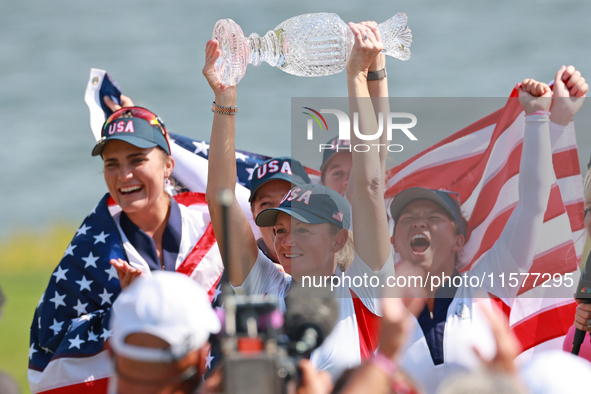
{"x": 312, "y": 204}
{"x": 136, "y": 126}
{"x": 278, "y": 168}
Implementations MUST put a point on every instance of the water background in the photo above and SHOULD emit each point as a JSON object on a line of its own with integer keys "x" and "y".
{"x": 155, "y": 51}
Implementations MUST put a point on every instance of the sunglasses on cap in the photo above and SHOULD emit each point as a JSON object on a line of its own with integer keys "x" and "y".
{"x": 455, "y": 195}
{"x": 141, "y": 113}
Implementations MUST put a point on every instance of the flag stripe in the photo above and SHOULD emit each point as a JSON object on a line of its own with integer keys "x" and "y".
{"x": 566, "y": 163}
{"x": 368, "y": 325}
{"x": 478, "y": 125}
{"x": 484, "y": 206}
{"x": 98, "y": 386}
{"x": 481, "y": 162}
{"x": 537, "y": 329}
{"x": 560, "y": 260}
{"x": 576, "y": 215}
{"x": 190, "y": 198}
{"x": 201, "y": 248}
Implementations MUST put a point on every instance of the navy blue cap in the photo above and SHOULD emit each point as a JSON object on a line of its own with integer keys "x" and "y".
{"x": 338, "y": 146}
{"x": 449, "y": 201}
{"x": 309, "y": 203}
{"x": 278, "y": 168}
{"x": 136, "y": 131}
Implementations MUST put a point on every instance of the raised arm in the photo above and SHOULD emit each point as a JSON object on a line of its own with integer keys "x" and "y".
{"x": 222, "y": 175}
{"x": 536, "y": 175}
{"x": 370, "y": 227}
{"x": 377, "y": 86}
{"x": 378, "y": 91}
{"x": 569, "y": 88}
{"x": 537, "y": 172}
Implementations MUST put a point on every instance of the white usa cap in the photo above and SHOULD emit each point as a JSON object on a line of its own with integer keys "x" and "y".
{"x": 168, "y": 305}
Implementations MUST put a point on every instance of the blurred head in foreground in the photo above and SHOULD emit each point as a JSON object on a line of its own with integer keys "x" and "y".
{"x": 161, "y": 326}
{"x": 556, "y": 372}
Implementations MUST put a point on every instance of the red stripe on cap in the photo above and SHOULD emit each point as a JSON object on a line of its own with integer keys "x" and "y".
{"x": 368, "y": 325}
{"x": 203, "y": 246}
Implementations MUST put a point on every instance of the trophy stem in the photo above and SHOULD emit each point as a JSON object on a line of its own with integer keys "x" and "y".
{"x": 263, "y": 49}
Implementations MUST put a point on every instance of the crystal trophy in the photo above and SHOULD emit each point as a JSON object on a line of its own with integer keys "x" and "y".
{"x": 309, "y": 45}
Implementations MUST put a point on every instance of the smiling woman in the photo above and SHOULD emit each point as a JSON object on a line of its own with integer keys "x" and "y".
{"x": 137, "y": 161}
{"x": 135, "y": 179}
{"x": 136, "y": 229}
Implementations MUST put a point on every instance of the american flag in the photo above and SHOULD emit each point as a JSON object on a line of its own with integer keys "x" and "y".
{"x": 337, "y": 215}
{"x": 71, "y": 321}
{"x": 479, "y": 162}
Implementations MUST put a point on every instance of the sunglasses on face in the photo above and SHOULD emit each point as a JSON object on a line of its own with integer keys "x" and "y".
{"x": 587, "y": 210}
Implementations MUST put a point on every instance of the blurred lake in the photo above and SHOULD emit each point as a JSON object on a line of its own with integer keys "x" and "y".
{"x": 155, "y": 51}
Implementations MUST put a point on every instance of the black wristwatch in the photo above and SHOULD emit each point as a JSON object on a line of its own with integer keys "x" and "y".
{"x": 375, "y": 75}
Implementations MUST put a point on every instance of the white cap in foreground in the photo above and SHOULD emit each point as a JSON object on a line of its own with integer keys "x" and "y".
{"x": 168, "y": 305}
{"x": 556, "y": 372}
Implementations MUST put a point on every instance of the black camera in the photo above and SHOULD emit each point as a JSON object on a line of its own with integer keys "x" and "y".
{"x": 262, "y": 347}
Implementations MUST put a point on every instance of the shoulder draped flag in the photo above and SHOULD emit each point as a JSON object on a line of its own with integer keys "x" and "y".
{"x": 481, "y": 163}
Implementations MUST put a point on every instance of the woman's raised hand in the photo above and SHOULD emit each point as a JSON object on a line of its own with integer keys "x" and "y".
{"x": 113, "y": 106}
{"x": 534, "y": 96}
{"x": 224, "y": 95}
{"x": 379, "y": 63}
{"x": 569, "y": 89}
{"x": 368, "y": 45}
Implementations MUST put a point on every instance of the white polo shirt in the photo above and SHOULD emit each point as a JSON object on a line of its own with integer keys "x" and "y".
{"x": 354, "y": 336}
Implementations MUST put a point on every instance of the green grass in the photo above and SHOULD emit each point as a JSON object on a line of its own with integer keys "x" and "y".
{"x": 26, "y": 262}
{"x": 22, "y": 291}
